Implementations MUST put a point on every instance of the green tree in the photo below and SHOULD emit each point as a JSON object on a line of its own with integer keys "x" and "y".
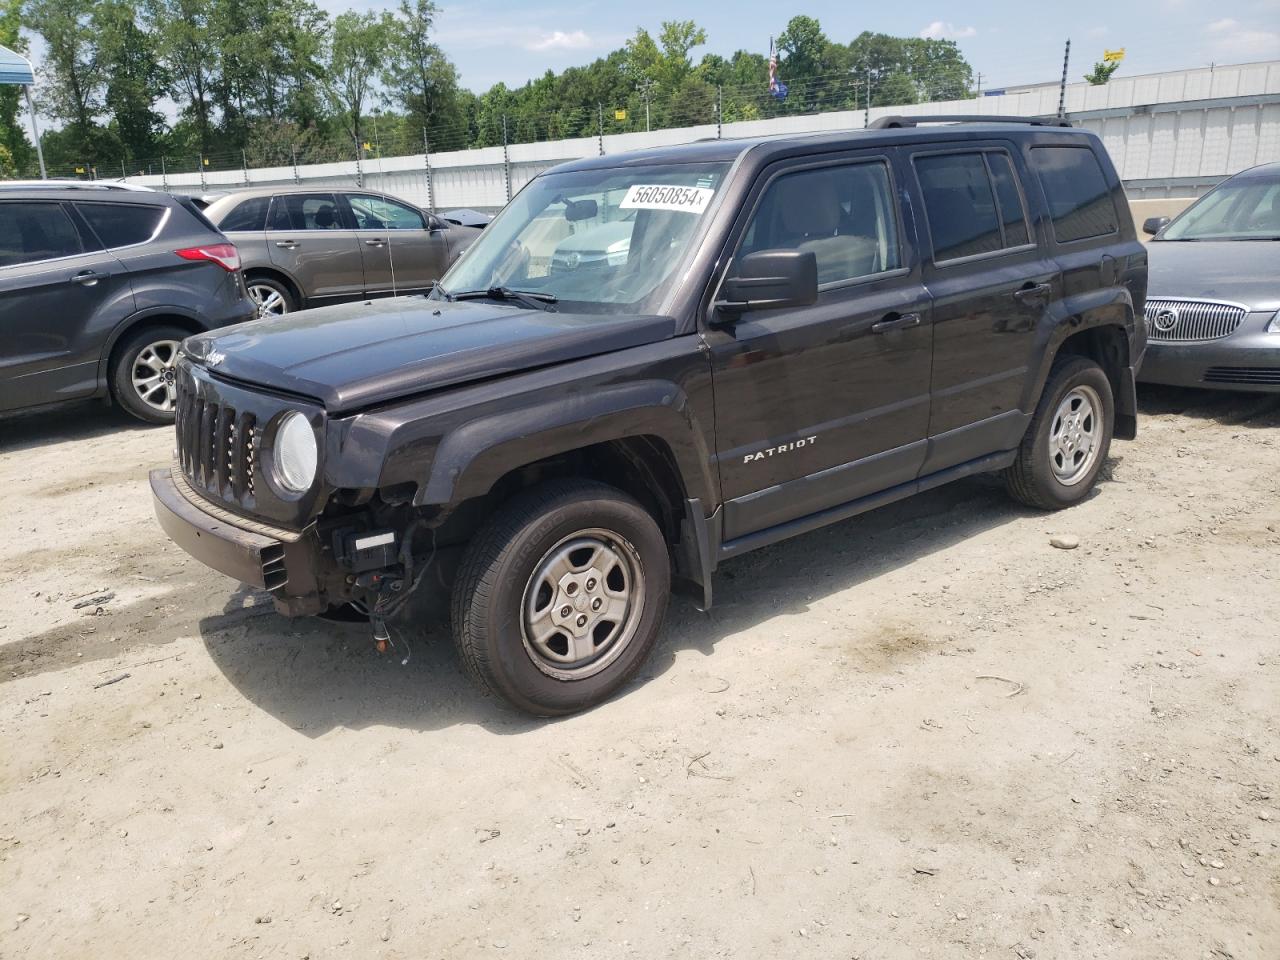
{"x": 1102, "y": 72}
{"x": 188, "y": 44}
{"x": 134, "y": 79}
{"x": 74, "y": 82}
{"x": 418, "y": 76}
{"x": 12, "y": 136}
{"x": 357, "y": 55}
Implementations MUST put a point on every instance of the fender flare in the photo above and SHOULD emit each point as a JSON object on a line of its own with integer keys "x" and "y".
{"x": 472, "y": 458}
{"x": 133, "y": 321}
{"x": 1108, "y": 307}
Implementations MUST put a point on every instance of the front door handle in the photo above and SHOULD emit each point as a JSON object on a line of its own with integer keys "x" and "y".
{"x": 87, "y": 278}
{"x": 375, "y": 242}
{"x": 287, "y": 244}
{"x": 1033, "y": 293}
{"x": 896, "y": 321}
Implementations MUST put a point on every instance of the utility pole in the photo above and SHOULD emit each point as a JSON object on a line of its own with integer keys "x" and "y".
{"x": 164, "y": 177}
{"x": 719, "y": 112}
{"x": 244, "y": 166}
{"x": 293, "y": 152}
{"x": 359, "y": 164}
{"x": 1062, "y": 89}
{"x": 646, "y": 88}
{"x": 866, "y": 106}
{"x": 35, "y": 130}
{"x": 600, "y": 112}
{"x": 979, "y": 84}
{"x": 200, "y": 164}
{"x": 426, "y": 159}
{"x": 506, "y": 158}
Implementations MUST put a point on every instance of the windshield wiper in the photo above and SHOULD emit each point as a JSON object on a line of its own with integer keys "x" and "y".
{"x": 527, "y": 298}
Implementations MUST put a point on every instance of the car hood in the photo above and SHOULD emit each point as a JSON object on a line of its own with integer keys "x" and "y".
{"x": 357, "y": 354}
{"x": 1241, "y": 271}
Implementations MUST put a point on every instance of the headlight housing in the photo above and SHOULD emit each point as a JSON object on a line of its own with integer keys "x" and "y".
{"x": 295, "y": 454}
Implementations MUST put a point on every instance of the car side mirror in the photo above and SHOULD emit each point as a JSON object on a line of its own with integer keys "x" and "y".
{"x": 1153, "y": 225}
{"x": 434, "y": 223}
{"x": 768, "y": 279}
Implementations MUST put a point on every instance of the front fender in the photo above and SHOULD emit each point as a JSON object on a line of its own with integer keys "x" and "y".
{"x": 472, "y": 457}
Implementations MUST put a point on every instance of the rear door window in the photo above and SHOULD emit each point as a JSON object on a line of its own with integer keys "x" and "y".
{"x": 306, "y": 211}
{"x": 972, "y": 203}
{"x": 35, "y": 231}
{"x": 122, "y": 224}
{"x": 1076, "y": 189}
{"x": 249, "y": 215}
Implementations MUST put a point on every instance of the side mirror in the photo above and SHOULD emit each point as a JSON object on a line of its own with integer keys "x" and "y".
{"x": 434, "y": 223}
{"x": 1153, "y": 225}
{"x": 768, "y": 279}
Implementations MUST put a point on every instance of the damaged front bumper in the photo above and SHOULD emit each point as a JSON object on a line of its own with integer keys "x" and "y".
{"x": 285, "y": 563}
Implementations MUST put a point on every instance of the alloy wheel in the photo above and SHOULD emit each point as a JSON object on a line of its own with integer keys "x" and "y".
{"x": 1075, "y": 435}
{"x": 154, "y": 376}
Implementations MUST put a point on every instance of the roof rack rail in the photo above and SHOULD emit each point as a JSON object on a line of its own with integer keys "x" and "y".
{"x": 894, "y": 122}
{"x": 73, "y": 185}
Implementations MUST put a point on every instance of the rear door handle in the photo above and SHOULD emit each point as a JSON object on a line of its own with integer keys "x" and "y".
{"x": 1033, "y": 293}
{"x": 896, "y": 321}
{"x": 287, "y": 244}
{"x": 375, "y": 242}
{"x": 87, "y": 278}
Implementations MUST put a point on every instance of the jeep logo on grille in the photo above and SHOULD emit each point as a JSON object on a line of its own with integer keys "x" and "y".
{"x": 1166, "y": 319}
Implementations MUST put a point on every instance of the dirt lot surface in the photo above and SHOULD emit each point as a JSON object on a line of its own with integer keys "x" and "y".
{"x": 922, "y": 732}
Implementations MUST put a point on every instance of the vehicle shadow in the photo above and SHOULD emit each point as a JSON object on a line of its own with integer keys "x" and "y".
{"x": 315, "y": 675}
{"x": 78, "y": 421}
{"x": 1231, "y": 408}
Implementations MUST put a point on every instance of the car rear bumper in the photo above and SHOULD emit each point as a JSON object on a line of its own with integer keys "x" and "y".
{"x": 284, "y": 566}
{"x": 1243, "y": 361}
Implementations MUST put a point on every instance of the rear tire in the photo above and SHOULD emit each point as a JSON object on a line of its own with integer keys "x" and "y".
{"x": 270, "y": 297}
{"x": 561, "y": 596}
{"x": 142, "y": 378}
{"x": 1068, "y": 439}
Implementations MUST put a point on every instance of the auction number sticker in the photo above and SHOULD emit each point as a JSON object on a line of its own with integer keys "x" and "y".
{"x": 665, "y": 197}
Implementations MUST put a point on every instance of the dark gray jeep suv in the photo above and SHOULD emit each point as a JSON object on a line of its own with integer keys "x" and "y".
{"x": 98, "y": 285}
{"x": 784, "y": 332}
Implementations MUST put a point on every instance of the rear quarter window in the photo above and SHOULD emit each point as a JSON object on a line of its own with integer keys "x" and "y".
{"x": 1077, "y": 192}
{"x": 122, "y": 224}
{"x": 251, "y": 214}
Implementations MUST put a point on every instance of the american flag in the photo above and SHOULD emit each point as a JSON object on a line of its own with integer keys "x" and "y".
{"x": 776, "y": 87}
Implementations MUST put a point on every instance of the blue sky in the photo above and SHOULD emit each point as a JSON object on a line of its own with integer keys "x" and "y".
{"x": 1008, "y": 41}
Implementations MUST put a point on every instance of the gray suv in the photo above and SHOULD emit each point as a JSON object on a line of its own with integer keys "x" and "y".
{"x": 98, "y": 285}
{"x": 304, "y": 246}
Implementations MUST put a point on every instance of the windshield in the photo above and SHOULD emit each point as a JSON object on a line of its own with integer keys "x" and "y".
{"x": 591, "y": 241}
{"x": 1243, "y": 209}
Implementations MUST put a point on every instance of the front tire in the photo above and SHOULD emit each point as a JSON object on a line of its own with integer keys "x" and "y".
{"x": 142, "y": 380}
{"x": 561, "y": 596}
{"x": 1068, "y": 439}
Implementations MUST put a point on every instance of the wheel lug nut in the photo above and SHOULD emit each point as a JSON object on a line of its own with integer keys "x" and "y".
{"x": 571, "y": 589}
{"x": 565, "y": 611}
{"x": 582, "y": 621}
{"x": 591, "y": 584}
{"x": 597, "y": 603}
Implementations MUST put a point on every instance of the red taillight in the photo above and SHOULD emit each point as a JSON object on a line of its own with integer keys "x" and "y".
{"x": 224, "y": 255}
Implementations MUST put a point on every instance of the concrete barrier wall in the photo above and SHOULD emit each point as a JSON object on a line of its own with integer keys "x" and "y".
{"x": 1171, "y": 135}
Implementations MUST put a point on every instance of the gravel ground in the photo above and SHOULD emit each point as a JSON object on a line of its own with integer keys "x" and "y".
{"x": 922, "y": 732}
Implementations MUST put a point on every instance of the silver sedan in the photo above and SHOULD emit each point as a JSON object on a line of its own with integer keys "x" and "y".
{"x": 1213, "y": 301}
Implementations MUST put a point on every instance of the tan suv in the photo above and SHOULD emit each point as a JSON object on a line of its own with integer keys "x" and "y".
{"x": 303, "y": 246}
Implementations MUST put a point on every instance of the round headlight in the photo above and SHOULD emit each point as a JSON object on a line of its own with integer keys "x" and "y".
{"x": 295, "y": 455}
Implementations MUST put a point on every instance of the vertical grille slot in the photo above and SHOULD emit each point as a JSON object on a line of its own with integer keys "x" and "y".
{"x": 242, "y": 454}
{"x": 223, "y": 449}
